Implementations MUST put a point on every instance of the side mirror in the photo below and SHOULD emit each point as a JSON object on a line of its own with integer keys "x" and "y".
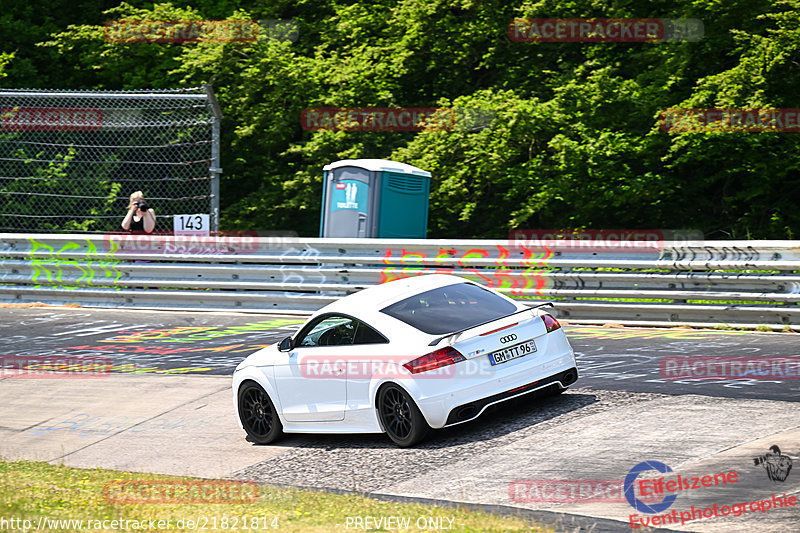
{"x": 285, "y": 345}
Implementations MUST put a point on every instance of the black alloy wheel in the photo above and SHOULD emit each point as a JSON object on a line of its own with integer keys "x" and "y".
{"x": 258, "y": 415}
{"x": 400, "y": 416}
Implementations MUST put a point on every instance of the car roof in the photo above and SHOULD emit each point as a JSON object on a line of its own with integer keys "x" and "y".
{"x": 372, "y": 299}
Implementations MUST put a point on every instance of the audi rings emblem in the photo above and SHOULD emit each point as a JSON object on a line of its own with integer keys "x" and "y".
{"x": 508, "y": 338}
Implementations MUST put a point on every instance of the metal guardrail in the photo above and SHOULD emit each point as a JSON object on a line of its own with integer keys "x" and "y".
{"x": 742, "y": 283}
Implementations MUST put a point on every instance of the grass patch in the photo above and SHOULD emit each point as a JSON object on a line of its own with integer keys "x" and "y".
{"x": 36, "y": 490}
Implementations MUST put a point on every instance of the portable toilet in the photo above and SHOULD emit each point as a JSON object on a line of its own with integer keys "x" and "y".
{"x": 374, "y": 198}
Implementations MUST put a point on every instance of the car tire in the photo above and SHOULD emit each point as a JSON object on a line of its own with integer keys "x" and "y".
{"x": 400, "y": 416}
{"x": 258, "y": 415}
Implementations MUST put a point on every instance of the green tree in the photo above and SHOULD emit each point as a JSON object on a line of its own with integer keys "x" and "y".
{"x": 575, "y": 140}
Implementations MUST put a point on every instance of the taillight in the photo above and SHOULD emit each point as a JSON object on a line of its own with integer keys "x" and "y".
{"x": 550, "y": 322}
{"x": 439, "y": 358}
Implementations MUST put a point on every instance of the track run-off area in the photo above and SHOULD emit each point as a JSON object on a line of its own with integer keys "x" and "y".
{"x": 166, "y": 407}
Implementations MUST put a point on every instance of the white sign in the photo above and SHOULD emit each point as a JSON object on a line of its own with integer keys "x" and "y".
{"x": 191, "y": 224}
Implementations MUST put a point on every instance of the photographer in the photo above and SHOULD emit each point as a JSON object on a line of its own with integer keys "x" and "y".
{"x": 140, "y": 217}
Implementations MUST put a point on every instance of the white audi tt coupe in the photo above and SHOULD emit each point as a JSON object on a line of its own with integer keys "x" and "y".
{"x": 401, "y": 358}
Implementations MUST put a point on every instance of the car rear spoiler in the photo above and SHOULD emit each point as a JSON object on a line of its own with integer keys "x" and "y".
{"x": 437, "y": 340}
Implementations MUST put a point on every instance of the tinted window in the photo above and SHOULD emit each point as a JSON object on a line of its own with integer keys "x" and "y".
{"x": 339, "y": 331}
{"x": 367, "y": 335}
{"x": 450, "y": 308}
{"x": 330, "y": 331}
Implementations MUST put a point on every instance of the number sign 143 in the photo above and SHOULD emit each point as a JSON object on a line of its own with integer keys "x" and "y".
{"x": 191, "y": 224}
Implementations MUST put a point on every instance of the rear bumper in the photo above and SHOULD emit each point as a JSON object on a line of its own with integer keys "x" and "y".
{"x": 484, "y": 385}
{"x": 471, "y": 410}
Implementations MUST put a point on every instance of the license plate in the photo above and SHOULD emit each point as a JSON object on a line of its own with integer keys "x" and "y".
{"x": 512, "y": 352}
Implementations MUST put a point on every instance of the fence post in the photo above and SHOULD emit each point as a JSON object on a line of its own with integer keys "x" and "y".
{"x": 215, "y": 169}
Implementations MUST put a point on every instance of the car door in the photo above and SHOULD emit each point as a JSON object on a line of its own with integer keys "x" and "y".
{"x": 312, "y": 384}
{"x": 369, "y": 361}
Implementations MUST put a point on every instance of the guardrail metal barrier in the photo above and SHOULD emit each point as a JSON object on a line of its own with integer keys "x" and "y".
{"x": 709, "y": 283}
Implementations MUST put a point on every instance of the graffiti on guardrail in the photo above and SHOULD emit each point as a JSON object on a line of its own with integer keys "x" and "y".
{"x": 289, "y": 274}
{"x": 51, "y": 266}
{"x": 498, "y": 272}
{"x": 716, "y": 253}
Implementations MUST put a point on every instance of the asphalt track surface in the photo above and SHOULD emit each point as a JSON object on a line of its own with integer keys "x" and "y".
{"x": 624, "y": 359}
{"x": 169, "y": 390}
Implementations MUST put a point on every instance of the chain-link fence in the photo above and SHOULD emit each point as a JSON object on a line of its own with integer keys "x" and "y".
{"x": 69, "y": 161}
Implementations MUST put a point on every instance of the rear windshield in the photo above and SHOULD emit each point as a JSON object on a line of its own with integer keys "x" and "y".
{"x": 451, "y": 308}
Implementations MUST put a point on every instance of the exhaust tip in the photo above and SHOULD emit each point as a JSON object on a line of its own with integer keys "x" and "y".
{"x": 569, "y": 377}
{"x": 465, "y": 413}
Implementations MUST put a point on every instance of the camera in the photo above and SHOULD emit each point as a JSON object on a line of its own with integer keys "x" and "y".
{"x": 761, "y": 459}
{"x": 141, "y": 205}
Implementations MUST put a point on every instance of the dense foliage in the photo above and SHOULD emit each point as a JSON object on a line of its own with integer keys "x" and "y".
{"x": 575, "y": 140}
